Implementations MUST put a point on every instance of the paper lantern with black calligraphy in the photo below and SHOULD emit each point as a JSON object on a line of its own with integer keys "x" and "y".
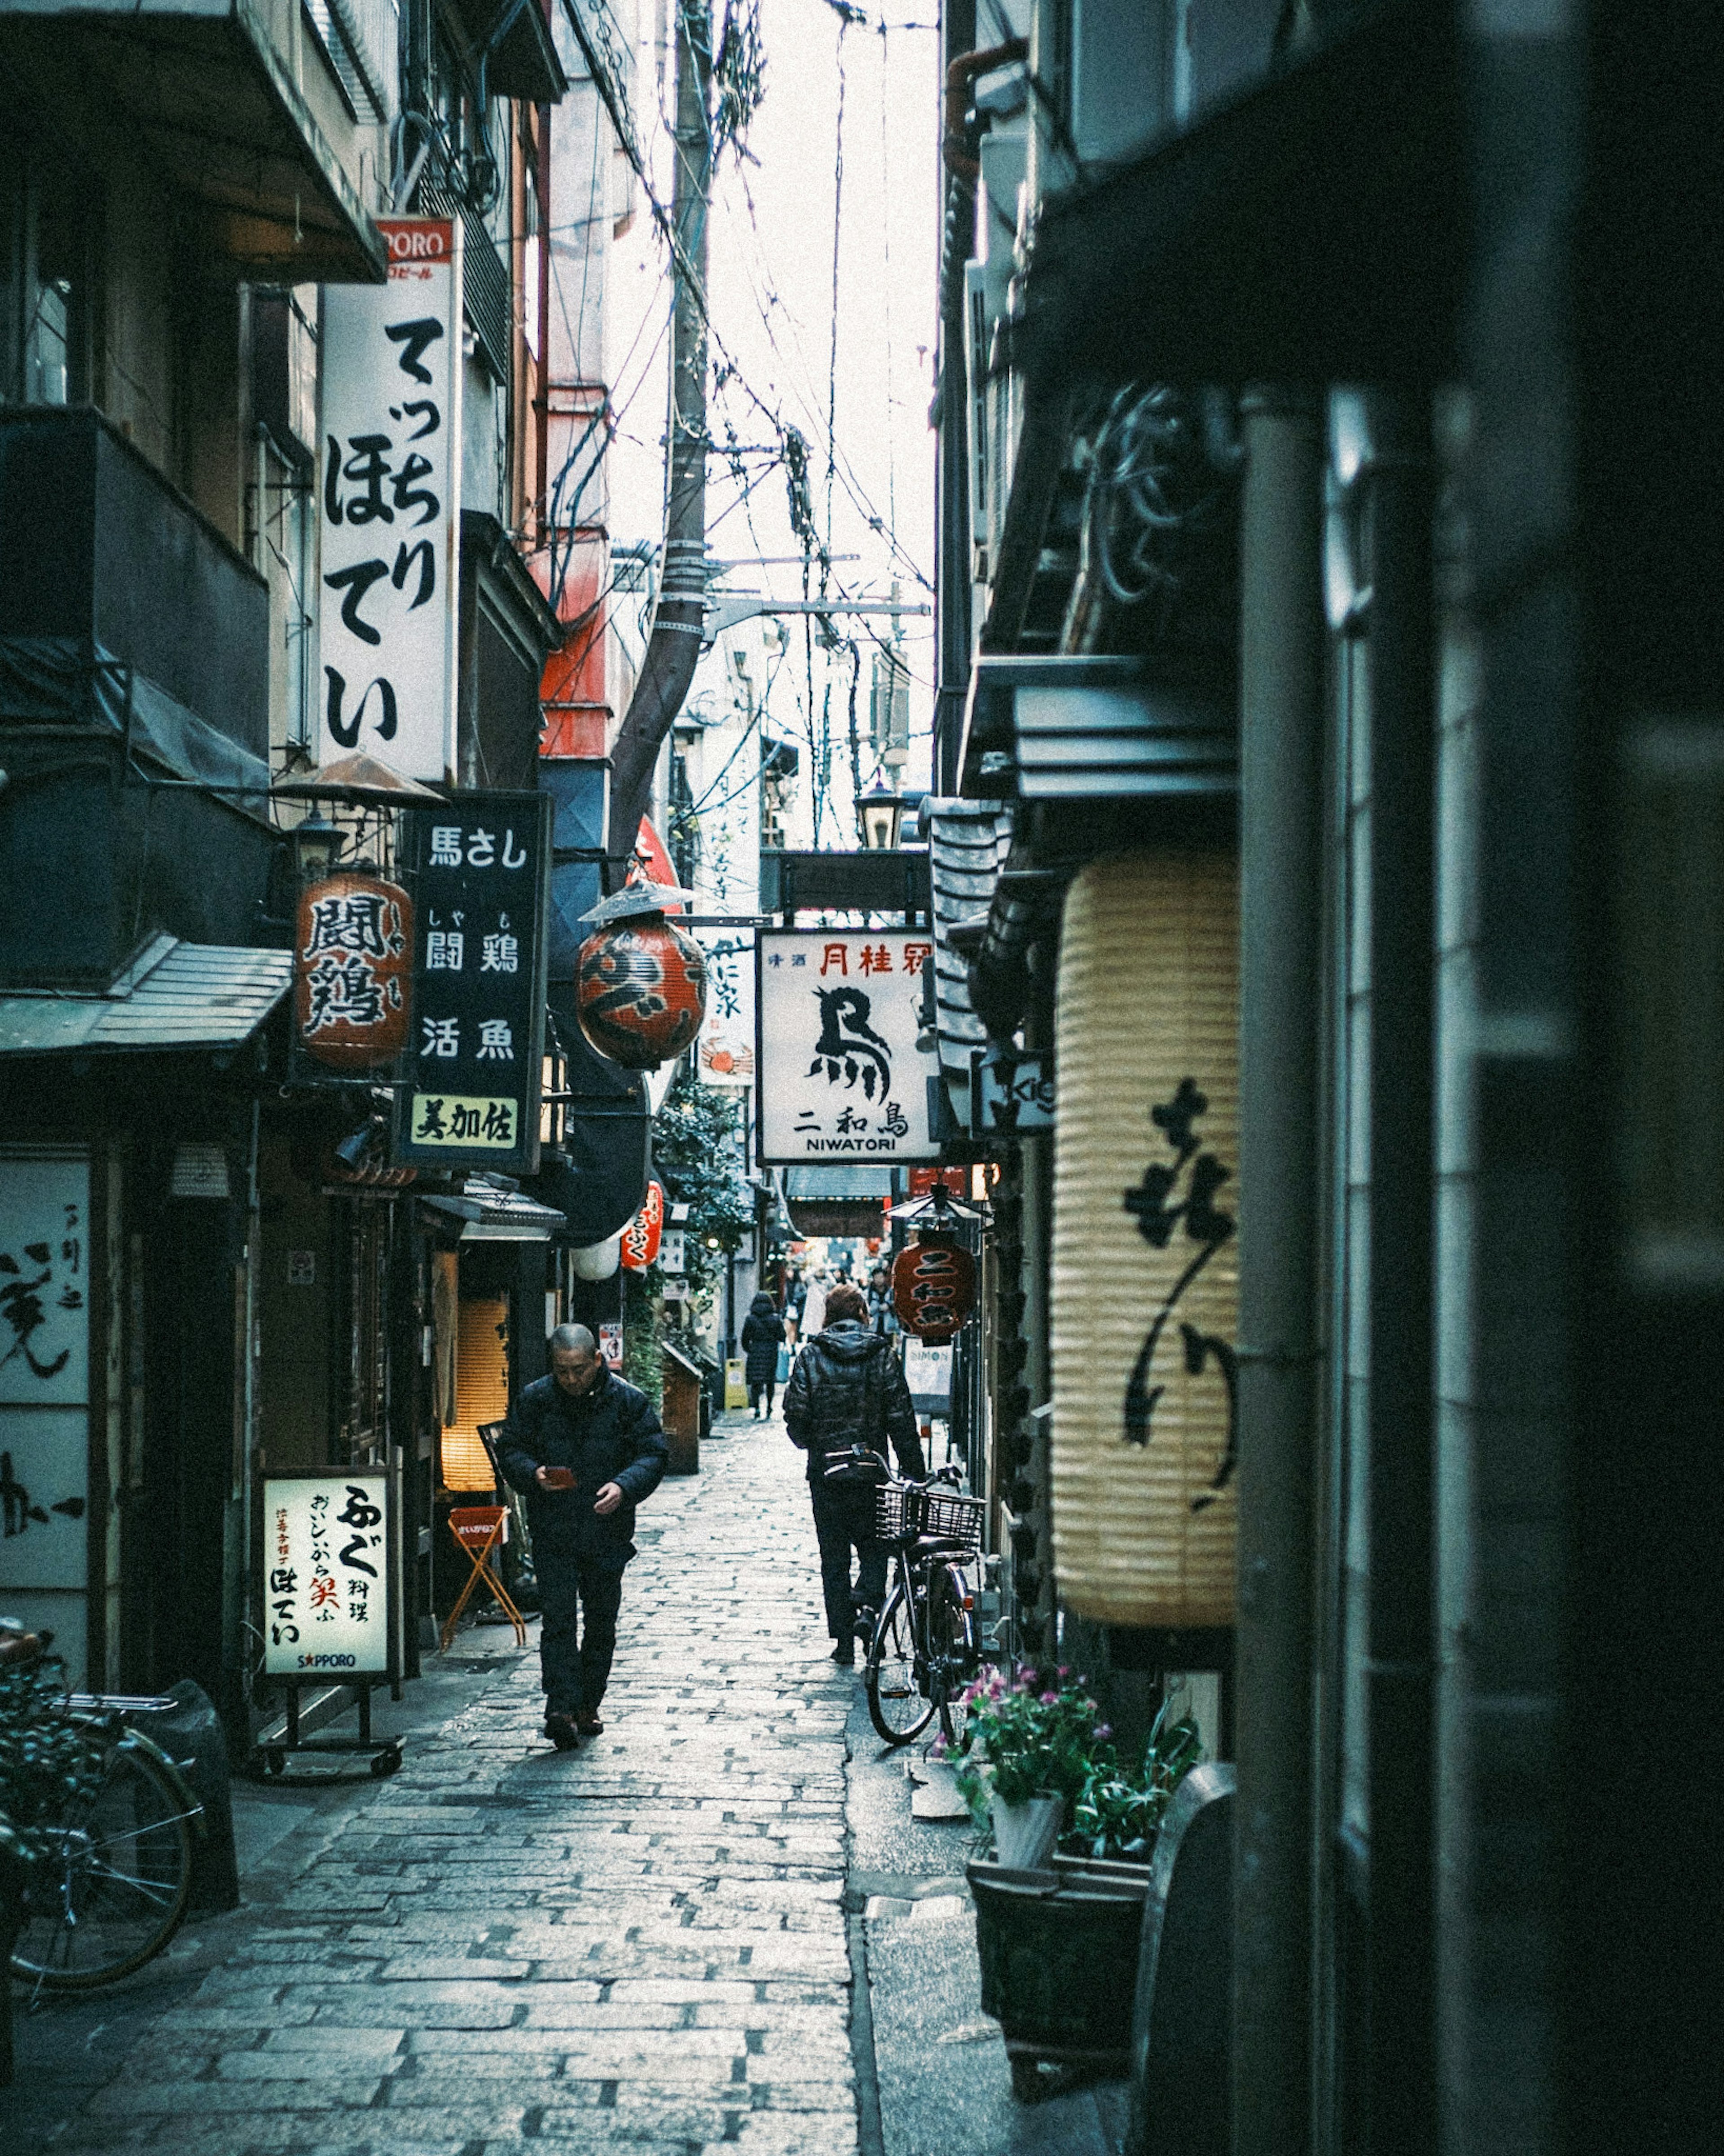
{"x": 641, "y": 990}
{"x": 933, "y": 1286}
{"x": 640, "y": 1238}
{"x": 353, "y": 971}
{"x": 1144, "y": 1279}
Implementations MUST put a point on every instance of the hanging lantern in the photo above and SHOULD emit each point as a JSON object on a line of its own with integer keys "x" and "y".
{"x": 640, "y": 982}
{"x": 597, "y": 1262}
{"x": 640, "y": 1238}
{"x": 352, "y": 970}
{"x": 1144, "y": 1287}
{"x": 933, "y": 1285}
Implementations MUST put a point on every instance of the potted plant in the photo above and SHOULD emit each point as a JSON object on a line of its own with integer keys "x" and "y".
{"x": 1058, "y": 1945}
{"x": 47, "y": 1763}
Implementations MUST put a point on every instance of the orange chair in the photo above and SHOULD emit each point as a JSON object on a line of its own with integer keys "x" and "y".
{"x": 478, "y": 1529}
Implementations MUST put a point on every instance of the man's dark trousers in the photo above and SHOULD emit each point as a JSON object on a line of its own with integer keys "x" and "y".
{"x": 574, "y": 1679}
{"x": 843, "y": 1521}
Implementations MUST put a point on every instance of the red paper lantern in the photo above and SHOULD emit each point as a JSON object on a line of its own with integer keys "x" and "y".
{"x": 933, "y": 1286}
{"x": 641, "y": 1237}
{"x": 641, "y": 990}
{"x": 353, "y": 971}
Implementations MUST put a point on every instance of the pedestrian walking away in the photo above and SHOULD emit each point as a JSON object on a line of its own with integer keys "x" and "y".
{"x": 762, "y": 1335}
{"x": 847, "y": 1393}
{"x": 585, "y": 1449}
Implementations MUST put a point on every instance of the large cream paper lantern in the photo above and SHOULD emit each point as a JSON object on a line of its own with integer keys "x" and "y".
{"x": 1145, "y": 1291}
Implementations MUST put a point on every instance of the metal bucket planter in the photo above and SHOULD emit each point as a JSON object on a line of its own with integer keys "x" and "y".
{"x": 1059, "y": 1952}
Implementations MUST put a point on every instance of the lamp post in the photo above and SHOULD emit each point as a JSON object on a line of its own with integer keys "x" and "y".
{"x": 880, "y": 817}
{"x": 316, "y": 846}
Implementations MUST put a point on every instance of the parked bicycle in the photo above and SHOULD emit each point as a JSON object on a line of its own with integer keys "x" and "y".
{"x": 925, "y": 1650}
{"x": 118, "y": 1881}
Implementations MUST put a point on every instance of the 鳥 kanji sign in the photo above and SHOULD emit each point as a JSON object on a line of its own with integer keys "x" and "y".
{"x": 840, "y": 1075}
{"x": 473, "y": 1067}
{"x": 391, "y": 467}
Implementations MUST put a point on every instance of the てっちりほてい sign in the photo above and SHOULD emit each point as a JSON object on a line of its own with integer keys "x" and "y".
{"x": 326, "y": 1574}
{"x": 840, "y": 1075}
{"x": 473, "y": 1067}
{"x": 390, "y": 507}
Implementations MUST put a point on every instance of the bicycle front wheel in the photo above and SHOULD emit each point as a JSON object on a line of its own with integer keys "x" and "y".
{"x": 898, "y": 1702}
{"x": 115, "y": 1890}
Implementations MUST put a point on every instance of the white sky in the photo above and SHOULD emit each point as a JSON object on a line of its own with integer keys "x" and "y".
{"x": 770, "y": 276}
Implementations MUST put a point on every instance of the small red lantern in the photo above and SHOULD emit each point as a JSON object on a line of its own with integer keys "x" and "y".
{"x": 352, "y": 970}
{"x": 640, "y": 982}
{"x": 641, "y": 1237}
{"x": 933, "y": 1286}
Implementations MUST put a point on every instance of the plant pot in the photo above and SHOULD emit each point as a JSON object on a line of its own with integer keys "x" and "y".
{"x": 1059, "y": 1953}
{"x": 1024, "y": 1834}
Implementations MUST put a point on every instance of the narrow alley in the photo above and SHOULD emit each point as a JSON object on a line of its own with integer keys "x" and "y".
{"x": 646, "y": 1944}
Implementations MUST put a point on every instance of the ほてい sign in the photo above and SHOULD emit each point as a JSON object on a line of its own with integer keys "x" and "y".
{"x": 327, "y": 1549}
{"x": 840, "y": 1074}
{"x": 390, "y": 506}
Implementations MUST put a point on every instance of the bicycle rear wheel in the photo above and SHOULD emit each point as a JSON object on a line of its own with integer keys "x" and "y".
{"x": 898, "y": 1703}
{"x": 952, "y": 1660}
{"x": 116, "y": 1890}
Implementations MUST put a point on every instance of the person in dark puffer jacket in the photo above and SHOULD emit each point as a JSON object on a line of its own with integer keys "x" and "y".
{"x": 847, "y": 1388}
{"x": 581, "y": 1420}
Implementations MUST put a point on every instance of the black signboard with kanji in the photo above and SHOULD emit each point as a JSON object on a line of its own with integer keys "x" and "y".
{"x": 479, "y": 866}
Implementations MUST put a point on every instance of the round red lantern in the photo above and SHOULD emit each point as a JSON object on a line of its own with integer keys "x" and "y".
{"x": 352, "y": 970}
{"x": 933, "y": 1286}
{"x": 641, "y": 1237}
{"x": 640, "y": 984}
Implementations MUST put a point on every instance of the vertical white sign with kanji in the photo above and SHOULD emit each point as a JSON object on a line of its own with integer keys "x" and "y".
{"x": 390, "y": 508}
{"x": 841, "y": 1076}
{"x": 326, "y": 1574}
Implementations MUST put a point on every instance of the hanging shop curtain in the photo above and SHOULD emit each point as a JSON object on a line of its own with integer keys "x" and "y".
{"x": 1145, "y": 1288}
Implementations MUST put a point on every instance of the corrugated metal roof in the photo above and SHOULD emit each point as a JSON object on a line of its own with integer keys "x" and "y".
{"x": 968, "y": 844}
{"x": 173, "y": 995}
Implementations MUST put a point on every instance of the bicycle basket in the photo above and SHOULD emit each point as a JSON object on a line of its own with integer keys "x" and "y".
{"x": 892, "y": 1519}
{"x": 953, "y": 1518}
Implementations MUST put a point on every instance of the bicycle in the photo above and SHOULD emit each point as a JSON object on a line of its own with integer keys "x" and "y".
{"x": 119, "y": 1883}
{"x": 924, "y": 1650}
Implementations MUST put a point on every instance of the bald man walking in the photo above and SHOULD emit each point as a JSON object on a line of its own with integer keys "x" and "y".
{"x": 585, "y": 1448}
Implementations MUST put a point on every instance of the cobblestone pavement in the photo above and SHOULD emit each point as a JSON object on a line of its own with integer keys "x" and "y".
{"x": 639, "y": 1944}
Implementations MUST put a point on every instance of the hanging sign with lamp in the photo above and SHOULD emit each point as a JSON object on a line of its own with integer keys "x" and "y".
{"x": 934, "y": 1276}
{"x": 640, "y": 1238}
{"x": 640, "y": 980}
{"x": 353, "y": 971}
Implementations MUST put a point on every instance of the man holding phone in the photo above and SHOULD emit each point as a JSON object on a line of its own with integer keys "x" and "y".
{"x": 585, "y": 1448}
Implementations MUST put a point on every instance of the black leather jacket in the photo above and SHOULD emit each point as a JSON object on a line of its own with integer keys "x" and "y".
{"x": 609, "y": 1434}
{"x": 847, "y": 1388}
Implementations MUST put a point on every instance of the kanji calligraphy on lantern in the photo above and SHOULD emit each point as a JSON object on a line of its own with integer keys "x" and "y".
{"x": 473, "y": 1057}
{"x": 389, "y": 501}
{"x": 841, "y": 1073}
{"x": 352, "y": 952}
{"x": 326, "y": 1574}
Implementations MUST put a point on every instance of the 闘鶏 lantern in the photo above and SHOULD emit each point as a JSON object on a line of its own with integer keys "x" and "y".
{"x": 933, "y": 1285}
{"x": 353, "y": 970}
{"x": 1144, "y": 1286}
{"x": 640, "y": 1238}
{"x": 640, "y": 983}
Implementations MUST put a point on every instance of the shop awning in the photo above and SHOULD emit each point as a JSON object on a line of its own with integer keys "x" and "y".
{"x": 968, "y": 844}
{"x": 173, "y": 996}
{"x": 1314, "y": 231}
{"x": 498, "y": 1216}
{"x": 1058, "y": 728}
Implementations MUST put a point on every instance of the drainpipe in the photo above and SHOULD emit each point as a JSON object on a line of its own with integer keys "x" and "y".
{"x": 1280, "y": 763}
{"x": 1400, "y": 1982}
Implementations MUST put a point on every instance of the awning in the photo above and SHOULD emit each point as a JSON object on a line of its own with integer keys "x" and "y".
{"x": 520, "y": 51}
{"x": 173, "y": 996}
{"x": 1313, "y": 232}
{"x": 498, "y": 1216}
{"x": 967, "y": 843}
{"x": 1054, "y": 728}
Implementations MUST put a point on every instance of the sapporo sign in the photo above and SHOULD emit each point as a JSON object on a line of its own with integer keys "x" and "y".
{"x": 390, "y": 507}
{"x": 840, "y": 1075}
{"x": 472, "y": 1074}
{"x": 328, "y": 1551}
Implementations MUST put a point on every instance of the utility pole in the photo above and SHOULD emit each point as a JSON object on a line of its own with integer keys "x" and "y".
{"x": 679, "y": 619}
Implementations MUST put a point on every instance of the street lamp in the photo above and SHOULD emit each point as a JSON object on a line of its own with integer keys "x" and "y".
{"x": 880, "y": 817}
{"x": 316, "y": 842}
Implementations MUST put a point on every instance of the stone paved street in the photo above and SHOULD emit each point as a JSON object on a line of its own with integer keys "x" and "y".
{"x": 642, "y": 1943}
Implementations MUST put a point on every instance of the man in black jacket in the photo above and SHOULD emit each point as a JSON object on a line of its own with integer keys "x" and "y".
{"x": 585, "y": 1449}
{"x": 847, "y": 1389}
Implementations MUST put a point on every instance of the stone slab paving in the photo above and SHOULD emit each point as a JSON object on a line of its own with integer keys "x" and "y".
{"x": 639, "y": 1946}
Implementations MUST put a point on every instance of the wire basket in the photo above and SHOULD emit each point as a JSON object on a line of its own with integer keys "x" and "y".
{"x": 894, "y": 1520}
{"x": 953, "y": 1518}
